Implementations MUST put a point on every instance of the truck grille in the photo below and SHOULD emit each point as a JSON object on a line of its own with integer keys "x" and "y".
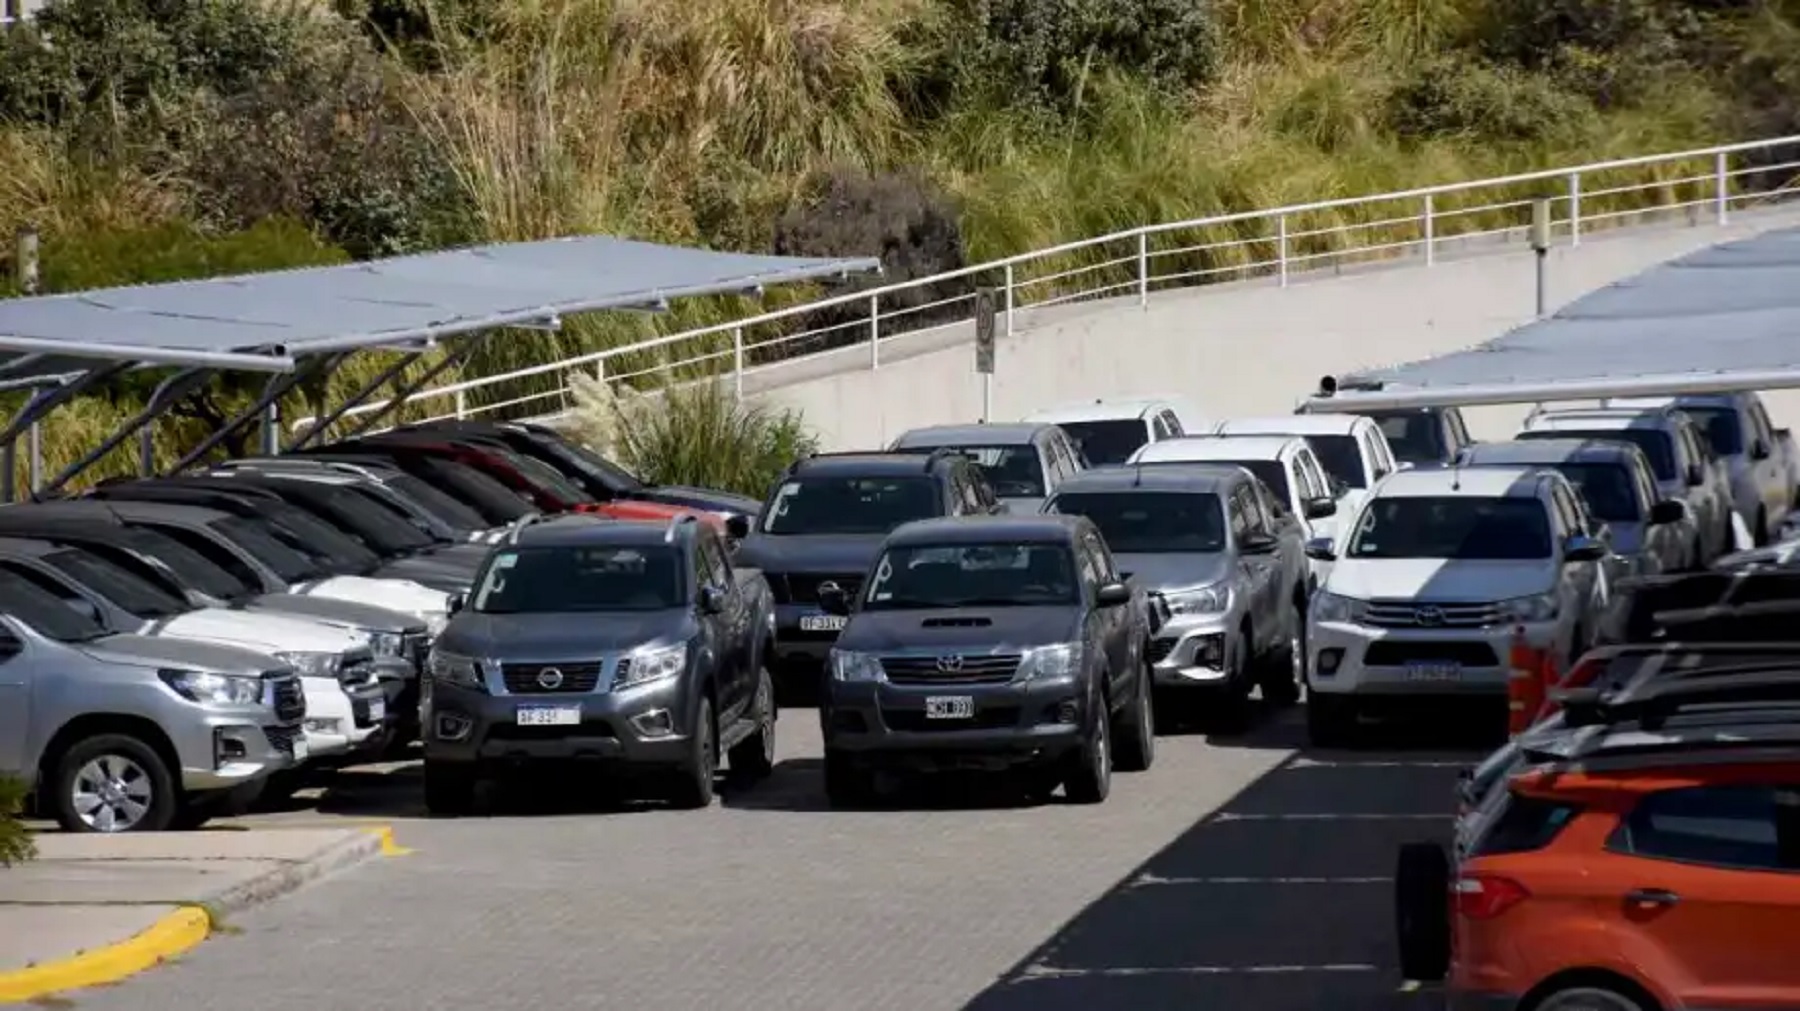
{"x": 527, "y": 678}
{"x": 281, "y": 739}
{"x": 1424, "y": 614}
{"x": 286, "y": 697}
{"x": 803, "y": 588}
{"x": 1397, "y": 653}
{"x": 981, "y": 669}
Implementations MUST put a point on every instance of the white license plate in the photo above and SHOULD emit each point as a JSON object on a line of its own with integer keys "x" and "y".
{"x": 823, "y": 622}
{"x": 1433, "y": 671}
{"x": 300, "y": 749}
{"x": 549, "y": 716}
{"x": 949, "y": 707}
{"x": 377, "y": 710}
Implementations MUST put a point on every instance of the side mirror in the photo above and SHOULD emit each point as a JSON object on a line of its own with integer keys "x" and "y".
{"x": 1321, "y": 549}
{"x": 1667, "y": 511}
{"x": 833, "y": 600}
{"x": 1583, "y": 549}
{"x": 1759, "y": 450}
{"x": 1320, "y": 508}
{"x": 1695, "y": 475}
{"x": 711, "y": 600}
{"x": 457, "y": 602}
{"x": 1258, "y": 544}
{"x": 737, "y": 526}
{"x": 1784, "y": 433}
{"x": 1113, "y": 595}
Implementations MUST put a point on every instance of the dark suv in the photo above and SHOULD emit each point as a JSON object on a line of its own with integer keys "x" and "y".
{"x": 636, "y": 647}
{"x": 1002, "y": 643}
{"x": 824, "y": 523}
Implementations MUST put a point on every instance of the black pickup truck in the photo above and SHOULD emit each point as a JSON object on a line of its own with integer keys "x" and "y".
{"x": 637, "y": 648}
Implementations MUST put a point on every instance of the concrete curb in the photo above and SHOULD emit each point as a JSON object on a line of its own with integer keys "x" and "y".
{"x": 190, "y": 923}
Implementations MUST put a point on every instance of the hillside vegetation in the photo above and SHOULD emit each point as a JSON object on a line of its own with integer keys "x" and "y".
{"x": 157, "y": 139}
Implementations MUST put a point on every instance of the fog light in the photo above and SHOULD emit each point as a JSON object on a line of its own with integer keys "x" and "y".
{"x": 1328, "y": 662}
{"x": 227, "y": 749}
{"x": 655, "y": 723}
{"x": 452, "y": 726}
{"x": 1068, "y": 712}
{"x": 1209, "y": 651}
{"x": 324, "y": 726}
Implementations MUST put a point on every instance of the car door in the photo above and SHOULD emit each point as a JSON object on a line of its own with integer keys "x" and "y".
{"x": 1115, "y": 622}
{"x": 1767, "y": 473}
{"x": 16, "y": 676}
{"x": 1262, "y": 575}
{"x": 734, "y": 634}
{"x": 1715, "y": 485}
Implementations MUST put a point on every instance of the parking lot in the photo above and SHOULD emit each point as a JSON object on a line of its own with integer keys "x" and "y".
{"x": 1239, "y": 872}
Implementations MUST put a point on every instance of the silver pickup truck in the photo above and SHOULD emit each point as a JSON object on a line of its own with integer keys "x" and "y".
{"x": 1760, "y": 458}
{"x": 125, "y": 733}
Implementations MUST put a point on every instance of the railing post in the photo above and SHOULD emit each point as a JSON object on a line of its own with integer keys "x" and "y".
{"x": 1144, "y": 269}
{"x": 1574, "y": 208}
{"x": 1430, "y": 227}
{"x": 1721, "y": 185}
{"x": 462, "y": 404}
{"x": 1281, "y": 249}
{"x": 737, "y": 359}
{"x": 874, "y": 331}
{"x": 1009, "y": 300}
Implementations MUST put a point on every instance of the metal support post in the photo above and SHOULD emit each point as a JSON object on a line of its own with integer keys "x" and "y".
{"x": 737, "y": 360}
{"x": 1281, "y": 249}
{"x": 874, "y": 331}
{"x": 363, "y": 393}
{"x": 141, "y": 424}
{"x": 1722, "y": 185}
{"x": 1574, "y": 209}
{"x": 166, "y": 393}
{"x": 1009, "y": 300}
{"x": 1143, "y": 268}
{"x": 34, "y": 460}
{"x": 1430, "y": 221}
{"x": 35, "y": 409}
{"x": 271, "y": 429}
{"x": 276, "y": 388}
{"x": 1540, "y": 247}
{"x": 987, "y": 397}
{"x": 450, "y": 360}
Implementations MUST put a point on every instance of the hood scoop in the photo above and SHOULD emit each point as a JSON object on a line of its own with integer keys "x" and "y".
{"x": 956, "y": 622}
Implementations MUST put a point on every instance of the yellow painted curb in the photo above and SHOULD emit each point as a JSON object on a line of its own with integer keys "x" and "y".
{"x": 166, "y": 938}
{"x": 390, "y": 847}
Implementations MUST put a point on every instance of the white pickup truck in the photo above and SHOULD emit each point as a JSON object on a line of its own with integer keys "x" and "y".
{"x": 1351, "y": 449}
{"x": 1763, "y": 464}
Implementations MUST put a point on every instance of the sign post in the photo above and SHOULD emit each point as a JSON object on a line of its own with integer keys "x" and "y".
{"x": 984, "y": 348}
{"x": 1540, "y": 245}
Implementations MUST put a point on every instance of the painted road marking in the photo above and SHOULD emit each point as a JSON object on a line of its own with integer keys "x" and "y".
{"x": 1295, "y": 816}
{"x": 1148, "y": 880}
{"x": 1039, "y": 971}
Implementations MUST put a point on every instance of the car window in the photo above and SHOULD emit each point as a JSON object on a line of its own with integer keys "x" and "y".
{"x": 967, "y": 493}
{"x": 1646, "y": 485}
{"x": 1522, "y": 824}
{"x": 1452, "y": 527}
{"x": 187, "y": 565}
{"x": 1239, "y": 516}
{"x": 1014, "y": 471}
{"x": 1103, "y": 560}
{"x": 1610, "y": 490}
{"x": 1150, "y": 522}
{"x": 431, "y": 500}
{"x": 1340, "y": 457}
{"x": 1376, "y": 450}
{"x": 1415, "y": 435}
{"x": 1736, "y": 826}
{"x": 984, "y": 492}
{"x": 1300, "y": 481}
{"x": 255, "y": 540}
{"x": 1316, "y": 473}
{"x": 24, "y": 597}
{"x": 124, "y": 588}
{"x": 1108, "y": 442}
{"x": 718, "y": 568}
{"x": 564, "y": 579}
{"x": 1655, "y": 443}
{"x": 1265, "y": 511}
{"x": 1568, "y": 520}
{"x": 974, "y": 575}
{"x": 850, "y": 505}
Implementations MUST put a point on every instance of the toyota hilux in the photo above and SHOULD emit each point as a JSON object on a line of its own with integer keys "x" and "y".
{"x": 636, "y": 648}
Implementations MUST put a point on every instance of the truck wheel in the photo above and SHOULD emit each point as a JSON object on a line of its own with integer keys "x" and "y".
{"x": 1422, "y": 911}
{"x": 1281, "y": 687}
{"x": 847, "y": 785}
{"x": 113, "y": 783}
{"x": 754, "y": 757}
{"x": 1089, "y": 780}
{"x": 1330, "y": 721}
{"x": 694, "y": 782}
{"x": 1137, "y": 728}
{"x": 449, "y": 788}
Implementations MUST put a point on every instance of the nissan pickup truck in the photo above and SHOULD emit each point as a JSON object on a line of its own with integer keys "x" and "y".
{"x": 996, "y": 643}
{"x": 636, "y": 649}
{"x": 1763, "y": 465}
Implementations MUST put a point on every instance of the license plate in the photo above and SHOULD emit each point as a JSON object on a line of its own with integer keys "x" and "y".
{"x": 1433, "y": 671}
{"x": 823, "y": 622}
{"x": 300, "y": 749}
{"x": 549, "y": 716}
{"x": 950, "y": 707}
{"x": 377, "y": 710}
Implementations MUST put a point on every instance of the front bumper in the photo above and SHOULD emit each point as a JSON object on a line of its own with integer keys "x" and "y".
{"x": 1011, "y": 724}
{"x": 1191, "y": 652}
{"x": 647, "y": 725}
{"x": 229, "y": 748}
{"x": 1349, "y": 658}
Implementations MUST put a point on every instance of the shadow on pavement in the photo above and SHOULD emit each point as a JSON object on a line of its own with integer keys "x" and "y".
{"x": 799, "y": 785}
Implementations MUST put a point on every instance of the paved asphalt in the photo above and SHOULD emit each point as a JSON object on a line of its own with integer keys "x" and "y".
{"x": 1237, "y": 873}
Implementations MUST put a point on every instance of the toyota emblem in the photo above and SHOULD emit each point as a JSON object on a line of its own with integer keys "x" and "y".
{"x": 949, "y": 664}
{"x": 1431, "y": 616}
{"x": 550, "y": 678}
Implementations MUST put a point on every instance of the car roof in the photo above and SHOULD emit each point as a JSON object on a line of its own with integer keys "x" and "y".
{"x": 1293, "y": 424}
{"x": 377, "y": 467}
{"x": 1014, "y": 434}
{"x": 1192, "y": 478}
{"x": 130, "y": 509}
{"x": 1597, "y": 418}
{"x": 1470, "y": 482}
{"x": 23, "y": 521}
{"x": 579, "y": 530}
{"x": 1548, "y": 452}
{"x": 1196, "y": 448}
{"x": 872, "y": 463}
{"x": 1100, "y": 409}
{"x": 1045, "y": 528}
{"x": 29, "y": 547}
{"x": 330, "y": 477}
{"x": 1714, "y": 400}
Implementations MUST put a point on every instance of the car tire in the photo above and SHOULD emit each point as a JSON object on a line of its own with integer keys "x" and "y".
{"x": 1281, "y": 687}
{"x": 450, "y": 788}
{"x": 1089, "y": 779}
{"x": 694, "y": 780}
{"x": 847, "y": 784}
{"x": 753, "y": 759}
{"x": 1422, "y": 911}
{"x": 1136, "y": 731}
{"x": 1330, "y": 721}
{"x": 139, "y": 791}
{"x": 1591, "y": 997}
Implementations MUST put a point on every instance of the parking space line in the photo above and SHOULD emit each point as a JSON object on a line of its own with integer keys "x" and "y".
{"x": 1148, "y": 880}
{"x": 1313, "y": 816}
{"x": 1375, "y": 763}
{"x": 1040, "y": 971}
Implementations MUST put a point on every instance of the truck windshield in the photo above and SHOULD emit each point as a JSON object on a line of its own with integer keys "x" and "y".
{"x": 973, "y": 575}
{"x": 1721, "y": 427}
{"x": 1456, "y": 527}
{"x": 1341, "y": 457}
{"x": 850, "y": 505}
{"x": 188, "y": 565}
{"x": 564, "y": 579}
{"x": 259, "y": 543}
{"x": 43, "y": 612}
{"x": 124, "y": 588}
{"x": 1608, "y": 489}
{"x": 1107, "y": 442}
{"x": 1415, "y": 436}
{"x": 341, "y": 553}
{"x": 497, "y": 503}
{"x": 1151, "y": 522}
{"x": 1654, "y": 442}
{"x": 437, "y": 503}
{"x": 1013, "y": 471}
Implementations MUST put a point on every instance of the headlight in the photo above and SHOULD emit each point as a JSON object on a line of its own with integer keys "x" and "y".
{"x": 311, "y": 665}
{"x": 386, "y": 643}
{"x": 214, "y": 689}
{"x": 1205, "y": 600}
{"x": 649, "y": 665}
{"x": 1061, "y": 662}
{"x": 462, "y": 671}
{"x": 1538, "y": 607}
{"x": 849, "y": 666}
{"x": 1332, "y": 607}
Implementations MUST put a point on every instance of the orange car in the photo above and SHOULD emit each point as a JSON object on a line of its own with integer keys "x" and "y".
{"x": 1647, "y": 858}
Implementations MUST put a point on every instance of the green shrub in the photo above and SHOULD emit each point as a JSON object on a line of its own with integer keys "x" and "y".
{"x": 15, "y": 842}
{"x": 1449, "y": 97}
{"x": 698, "y": 434}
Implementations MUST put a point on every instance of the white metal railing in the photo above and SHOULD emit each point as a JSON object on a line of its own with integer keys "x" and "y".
{"x": 1706, "y": 182}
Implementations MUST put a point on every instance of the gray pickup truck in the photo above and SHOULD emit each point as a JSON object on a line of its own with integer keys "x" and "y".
{"x": 1761, "y": 460}
{"x": 126, "y": 733}
{"x": 1230, "y": 571}
{"x": 634, "y": 647}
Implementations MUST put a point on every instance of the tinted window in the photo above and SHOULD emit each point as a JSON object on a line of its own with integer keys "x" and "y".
{"x": 1607, "y": 488}
{"x": 497, "y": 503}
{"x": 380, "y": 501}
{"x": 1524, "y": 824}
{"x": 576, "y": 579}
{"x": 973, "y": 575}
{"x": 320, "y": 538}
{"x": 1720, "y": 427}
{"x": 373, "y": 526}
{"x": 1414, "y": 436}
{"x": 1014, "y": 471}
{"x": 1107, "y": 442}
{"x": 124, "y": 588}
{"x": 1269, "y": 472}
{"x": 437, "y": 503}
{"x": 850, "y": 505}
{"x": 1341, "y": 456}
{"x": 1151, "y": 522}
{"x": 25, "y": 601}
{"x": 188, "y": 565}
{"x": 1654, "y": 442}
{"x": 1452, "y": 527}
{"x": 257, "y": 542}
{"x": 1726, "y": 826}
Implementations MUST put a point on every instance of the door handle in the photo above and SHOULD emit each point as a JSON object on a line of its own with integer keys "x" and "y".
{"x": 1652, "y": 897}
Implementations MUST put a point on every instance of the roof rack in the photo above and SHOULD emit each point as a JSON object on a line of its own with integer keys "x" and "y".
{"x": 519, "y": 525}
{"x": 675, "y": 524}
{"x": 1650, "y": 702}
